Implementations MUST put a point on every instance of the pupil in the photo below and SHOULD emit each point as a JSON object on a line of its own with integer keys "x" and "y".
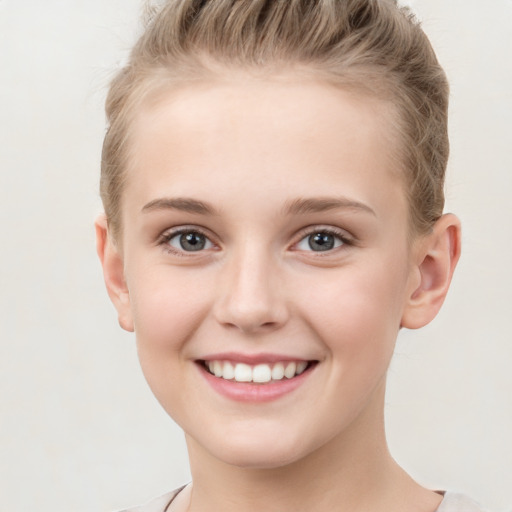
{"x": 192, "y": 241}
{"x": 321, "y": 242}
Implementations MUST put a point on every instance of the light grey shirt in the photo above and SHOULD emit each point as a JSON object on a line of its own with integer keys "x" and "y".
{"x": 452, "y": 502}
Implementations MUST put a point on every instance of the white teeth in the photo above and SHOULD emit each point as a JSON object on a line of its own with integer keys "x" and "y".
{"x": 301, "y": 367}
{"x": 243, "y": 373}
{"x": 217, "y": 368}
{"x": 290, "y": 369}
{"x": 278, "y": 371}
{"x": 260, "y": 373}
{"x": 228, "y": 371}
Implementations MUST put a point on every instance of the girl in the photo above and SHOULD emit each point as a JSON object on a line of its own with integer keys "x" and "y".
{"x": 272, "y": 178}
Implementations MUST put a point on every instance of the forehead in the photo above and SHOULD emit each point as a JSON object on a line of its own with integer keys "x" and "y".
{"x": 253, "y": 136}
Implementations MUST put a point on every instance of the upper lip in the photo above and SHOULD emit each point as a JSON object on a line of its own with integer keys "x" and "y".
{"x": 252, "y": 359}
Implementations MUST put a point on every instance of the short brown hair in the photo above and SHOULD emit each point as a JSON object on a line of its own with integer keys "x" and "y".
{"x": 373, "y": 46}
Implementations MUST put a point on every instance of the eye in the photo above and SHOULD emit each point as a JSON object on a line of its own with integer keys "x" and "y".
{"x": 321, "y": 241}
{"x": 188, "y": 241}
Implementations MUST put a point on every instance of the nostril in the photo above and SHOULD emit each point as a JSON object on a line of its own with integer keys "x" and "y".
{"x": 248, "y": 319}
{"x": 247, "y": 299}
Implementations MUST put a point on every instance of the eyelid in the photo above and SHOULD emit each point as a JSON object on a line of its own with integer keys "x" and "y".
{"x": 167, "y": 235}
{"x": 346, "y": 238}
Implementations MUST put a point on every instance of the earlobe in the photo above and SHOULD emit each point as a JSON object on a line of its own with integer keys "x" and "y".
{"x": 437, "y": 256}
{"x": 113, "y": 273}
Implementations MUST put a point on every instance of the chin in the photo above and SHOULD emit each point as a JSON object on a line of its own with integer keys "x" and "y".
{"x": 250, "y": 452}
{"x": 258, "y": 459}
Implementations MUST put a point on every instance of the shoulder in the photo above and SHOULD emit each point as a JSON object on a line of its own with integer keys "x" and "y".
{"x": 159, "y": 504}
{"x": 454, "y": 502}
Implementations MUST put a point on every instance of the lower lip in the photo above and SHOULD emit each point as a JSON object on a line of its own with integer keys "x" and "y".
{"x": 252, "y": 392}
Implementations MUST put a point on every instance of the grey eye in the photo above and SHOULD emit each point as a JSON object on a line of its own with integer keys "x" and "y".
{"x": 320, "y": 242}
{"x": 190, "y": 241}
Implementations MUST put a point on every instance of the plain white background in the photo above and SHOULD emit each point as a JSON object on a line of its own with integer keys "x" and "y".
{"x": 79, "y": 430}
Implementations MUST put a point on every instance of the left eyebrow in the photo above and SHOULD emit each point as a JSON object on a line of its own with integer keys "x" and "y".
{"x": 184, "y": 204}
{"x": 322, "y": 204}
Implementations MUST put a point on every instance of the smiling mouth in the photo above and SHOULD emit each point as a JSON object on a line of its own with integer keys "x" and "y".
{"x": 258, "y": 373}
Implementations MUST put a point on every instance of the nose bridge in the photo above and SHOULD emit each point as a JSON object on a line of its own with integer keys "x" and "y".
{"x": 251, "y": 299}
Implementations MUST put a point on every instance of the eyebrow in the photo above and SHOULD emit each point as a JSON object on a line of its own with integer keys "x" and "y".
{"x": 322, "y": 204}
{"x": 183, "y": 204}
{"x": 297, "y": 206}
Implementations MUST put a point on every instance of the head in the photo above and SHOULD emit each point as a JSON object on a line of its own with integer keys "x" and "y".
{"x": 272, "y": 180}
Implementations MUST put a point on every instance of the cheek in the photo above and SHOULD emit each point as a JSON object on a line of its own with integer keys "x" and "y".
{"x": 167, "y": 309}
{"x": 357, "y": 310}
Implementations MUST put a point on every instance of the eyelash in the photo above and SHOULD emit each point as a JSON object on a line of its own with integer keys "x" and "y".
{"x": 340, "y": 235}
{"x": 166, "y": 238}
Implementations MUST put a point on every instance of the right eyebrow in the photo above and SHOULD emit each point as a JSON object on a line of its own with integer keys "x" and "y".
{"x": 184, "y": 204}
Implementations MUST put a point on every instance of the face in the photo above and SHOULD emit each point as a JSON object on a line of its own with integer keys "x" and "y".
{"x": 266, "y": 264}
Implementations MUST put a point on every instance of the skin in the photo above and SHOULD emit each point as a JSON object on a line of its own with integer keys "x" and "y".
{"x": 265, "y": 174}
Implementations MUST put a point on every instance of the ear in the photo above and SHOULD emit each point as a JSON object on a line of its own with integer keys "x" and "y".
{"x": 113, "y": 273}
{"x": 436, "y": 257}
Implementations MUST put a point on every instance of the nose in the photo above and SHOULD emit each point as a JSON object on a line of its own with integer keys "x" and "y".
{"x": 250, "y": 293}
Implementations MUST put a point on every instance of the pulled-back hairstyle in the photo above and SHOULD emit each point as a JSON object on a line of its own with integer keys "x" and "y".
{"x": 371, "y": 46}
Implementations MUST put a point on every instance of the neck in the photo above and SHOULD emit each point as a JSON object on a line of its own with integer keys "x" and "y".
{"x": 353, "y": 471}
